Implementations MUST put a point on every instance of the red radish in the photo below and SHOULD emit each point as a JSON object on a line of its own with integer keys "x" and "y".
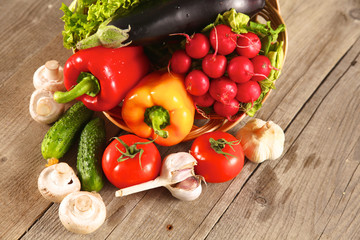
{"x": 222, "y": 89}
{"x": 262, "y": 67}
{"x": 197, "y": 83}
{"x": 205, "y": 100}
{"x": 240, "y": 69}
{"x": 197, "y": 46}
{"x": 214, "y": 65}
{"x": 248, "y": 45}
{"x": 227, "y": 110}
{"x": 248, "y": 92}
{"x": 180, "y": 62}
{"x": 222, "y": 39}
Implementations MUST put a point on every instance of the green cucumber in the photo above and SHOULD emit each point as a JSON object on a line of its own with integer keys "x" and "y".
{"x": 91, "y": 148}
{"x": 62, "y": 134}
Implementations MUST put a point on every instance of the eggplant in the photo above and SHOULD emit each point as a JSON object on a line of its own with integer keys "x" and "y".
{"x": 157, "y": 22}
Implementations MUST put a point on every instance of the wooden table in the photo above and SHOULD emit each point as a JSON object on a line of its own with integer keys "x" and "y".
{"x": 311, "y": 192}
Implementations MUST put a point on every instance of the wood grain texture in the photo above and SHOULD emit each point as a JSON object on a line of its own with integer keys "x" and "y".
{"x": 311, "y": 192}
{"x": 301, "y": 196}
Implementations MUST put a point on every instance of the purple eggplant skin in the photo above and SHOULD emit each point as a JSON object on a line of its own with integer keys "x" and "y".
{"x": 179, "y": 16}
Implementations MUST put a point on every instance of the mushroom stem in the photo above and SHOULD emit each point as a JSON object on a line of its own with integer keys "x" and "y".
{"x": 52, "y": 70}
{"x": 62, "y": 174}
{"x": 83, "y": 203}
{"x": 82, "y": 212}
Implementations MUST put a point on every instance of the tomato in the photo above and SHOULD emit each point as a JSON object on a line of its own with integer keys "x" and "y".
{"x": 130, "y": 160}
{"x": 219, "y": 156}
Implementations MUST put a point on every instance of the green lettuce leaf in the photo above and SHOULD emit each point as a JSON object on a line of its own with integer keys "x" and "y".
{"x": 83, "y": 17}
{"x": 237, "y": 21}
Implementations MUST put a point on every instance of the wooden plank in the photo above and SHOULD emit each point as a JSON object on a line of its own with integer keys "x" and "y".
{"x": 304, "y": 194}
{"x": 21, "y": 159}
{"x": 26, "y": 27}
{"x": 316, "y": 43}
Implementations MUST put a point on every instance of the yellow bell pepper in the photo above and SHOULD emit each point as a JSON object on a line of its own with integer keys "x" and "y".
{"x": 160, "y": 108}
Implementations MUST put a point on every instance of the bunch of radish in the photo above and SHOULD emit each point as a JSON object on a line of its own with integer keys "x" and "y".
{"x": 230, "y": 71}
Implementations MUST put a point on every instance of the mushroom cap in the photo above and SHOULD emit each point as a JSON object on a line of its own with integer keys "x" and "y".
{"x": 57, "y": 181}
{"x": 43, "y": 107}
{"x": 49, "y": 77}
{"x": 82, "y": 212}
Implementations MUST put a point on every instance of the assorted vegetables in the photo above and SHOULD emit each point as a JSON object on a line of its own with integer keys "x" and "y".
{"x": 155, "y": 23}
{"x": 225, "y": 67}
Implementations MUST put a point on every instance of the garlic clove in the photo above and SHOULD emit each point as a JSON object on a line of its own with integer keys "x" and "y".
{"x": 188, "y": 189}
{"x": 49, "y": 77}
{"x": 43, "y": 107}
{"x": 82, "y": 212}
{"x": 178, "y": 166}
{"x": 261, "y": 140}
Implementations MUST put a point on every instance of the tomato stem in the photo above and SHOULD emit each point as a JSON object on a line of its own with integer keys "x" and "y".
{"x": 219, "y": 144}
{"x": 131, "y": 151}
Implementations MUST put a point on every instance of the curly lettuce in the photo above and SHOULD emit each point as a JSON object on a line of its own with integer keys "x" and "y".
{"x": 82, "y": 18}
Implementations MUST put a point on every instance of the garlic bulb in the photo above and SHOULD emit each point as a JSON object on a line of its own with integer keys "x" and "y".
{"x": 261, "y": 140}
{"x": 177, "y": 175}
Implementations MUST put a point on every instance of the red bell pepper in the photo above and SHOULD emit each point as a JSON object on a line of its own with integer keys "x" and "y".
{"x": 101, "y": 77}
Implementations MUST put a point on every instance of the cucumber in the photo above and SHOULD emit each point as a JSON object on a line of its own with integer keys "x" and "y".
{"x": 91, "y": 148}
{"x": 62, "y": 134}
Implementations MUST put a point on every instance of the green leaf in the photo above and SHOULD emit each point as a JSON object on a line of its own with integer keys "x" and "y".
{"x": 85, "y": 17}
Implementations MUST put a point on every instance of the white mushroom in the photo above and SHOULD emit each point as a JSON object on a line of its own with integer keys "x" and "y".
{"x": 82, "y": 212}
{"x": 43, "y": 107}
{"x": 57, "y": 181}
{"x": 49, "y": 77}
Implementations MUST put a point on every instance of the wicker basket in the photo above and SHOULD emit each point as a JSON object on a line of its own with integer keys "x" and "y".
{"x": 271, "y": 12}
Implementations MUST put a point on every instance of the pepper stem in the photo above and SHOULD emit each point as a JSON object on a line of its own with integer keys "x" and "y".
{"x": 87, "y": 84}
{"x": 157, "y": 118}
